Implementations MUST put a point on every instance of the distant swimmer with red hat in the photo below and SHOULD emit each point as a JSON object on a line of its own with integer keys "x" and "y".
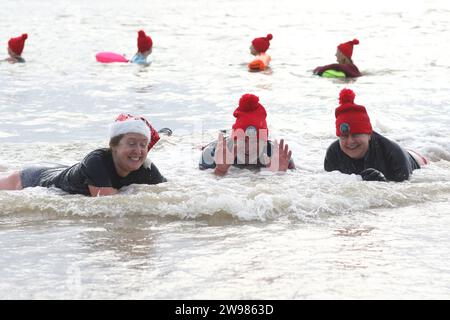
{"x": 258, "y": 48}
{"x": 15, "y": 49}
{"x": 344, "y": 66}
{"x": 249, "y": 146}
{"x": 145, "y": 45}
{"x": 144, "y": 49}
{"x": 359, "y": 150}
{"x": 103, "y": 171}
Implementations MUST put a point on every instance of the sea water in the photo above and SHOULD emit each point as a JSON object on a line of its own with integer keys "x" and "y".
{"x": 305, "y": 234}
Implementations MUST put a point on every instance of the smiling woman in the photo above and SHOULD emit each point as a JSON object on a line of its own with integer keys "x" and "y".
{"x": 102, "y": 171}
{"x": 362, "y": 151}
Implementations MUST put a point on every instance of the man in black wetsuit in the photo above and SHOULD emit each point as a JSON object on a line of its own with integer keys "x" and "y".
{"x": 361, "y": 151}
{"x": 249, "y": 146}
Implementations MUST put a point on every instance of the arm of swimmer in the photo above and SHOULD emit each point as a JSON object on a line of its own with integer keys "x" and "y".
{"x": 319, "y": 70}
{"x": 105, "y": 191}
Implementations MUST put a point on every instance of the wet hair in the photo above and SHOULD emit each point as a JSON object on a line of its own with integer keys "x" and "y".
{"x": 114, "y": 141}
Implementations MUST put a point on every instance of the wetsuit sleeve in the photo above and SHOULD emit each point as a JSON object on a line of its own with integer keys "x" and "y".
{"x": 320, "y": 70}
{"x": 398, "y": 162}
{"x": 207, "y": 158}
{"x": 95, "y": 172}
{"x": 349, "y": 70}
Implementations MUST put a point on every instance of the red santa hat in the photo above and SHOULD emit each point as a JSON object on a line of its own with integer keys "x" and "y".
{"x": 347, "y": 47}
{"x": 250, "y": 113}
{"x": 144, "y": 42}
{"x": 17, "y": 44}
{"x": 262, "y": 44}
{"x": 127, "y": 123}
{"x": 350, "y": 117}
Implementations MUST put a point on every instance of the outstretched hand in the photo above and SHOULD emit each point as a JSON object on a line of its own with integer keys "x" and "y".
{"x": 281, "y": 155}
{"x": 223, "y": 157}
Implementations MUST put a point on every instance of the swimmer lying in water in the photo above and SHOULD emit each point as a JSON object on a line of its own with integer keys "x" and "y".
{"x": 360, "y": 150}
{"x": 103, "y": 171}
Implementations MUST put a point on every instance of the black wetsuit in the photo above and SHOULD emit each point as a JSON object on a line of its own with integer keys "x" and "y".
{"x": 97, "y": 169}
{"x": 384, "y": 155}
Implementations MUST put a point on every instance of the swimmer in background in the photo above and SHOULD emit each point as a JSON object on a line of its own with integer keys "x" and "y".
{"x": 359, "y": 150}
{"x": 144, "y": 44}
{"x": 15, "y": 49}
{"x": 258, "y": 48}
{"x": 103, "y": 171}
{"x": 344, "y": 63}
{"x": 249, "y": 146}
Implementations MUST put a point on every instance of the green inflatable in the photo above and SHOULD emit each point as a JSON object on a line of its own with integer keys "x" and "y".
{"x": 333, "y": 74}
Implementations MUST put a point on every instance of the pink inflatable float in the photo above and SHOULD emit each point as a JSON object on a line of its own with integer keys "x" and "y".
{"x": 109, "y": 57}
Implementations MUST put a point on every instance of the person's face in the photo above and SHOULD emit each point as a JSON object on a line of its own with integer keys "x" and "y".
{"x": 355, "y": 145}
{"x": 130, "y": 153}
{"x": 147, "y": 53}
{"x": 340, "y": 58}
{"x": 11, "y": 53}
{"x": 247, "y": 149}
{"x": 253, "y": 50}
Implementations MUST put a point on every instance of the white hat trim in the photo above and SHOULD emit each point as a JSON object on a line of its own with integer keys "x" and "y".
{"x": 130, "y": 126}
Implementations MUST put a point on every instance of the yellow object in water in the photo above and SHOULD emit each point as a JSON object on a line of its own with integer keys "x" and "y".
{"x": 333, "y": 74}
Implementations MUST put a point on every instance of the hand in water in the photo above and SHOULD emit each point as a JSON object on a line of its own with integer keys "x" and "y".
{"x": 223, "y": 157}
{"x": 371, "y": 174}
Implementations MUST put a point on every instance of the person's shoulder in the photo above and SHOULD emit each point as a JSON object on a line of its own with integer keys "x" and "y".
{"x": 334, "y": 146}
{"x": 207, "y": 157}
{"x": 139, "y": 59}
{"x": 97, "y": 155}
{"x": 351, "y": 70}
{"x": 334, "y": 152}
{"x": 101, "y": 152}
{"x": 149, "y": 166}
{"x": 333, "y": 156}
{"x": 378, "y": 138}
{"x": 211, "y": 147}
{"x": 386, "y": 144}
{"x": 149, "y": 173}
{"x": 135, "y": 57}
